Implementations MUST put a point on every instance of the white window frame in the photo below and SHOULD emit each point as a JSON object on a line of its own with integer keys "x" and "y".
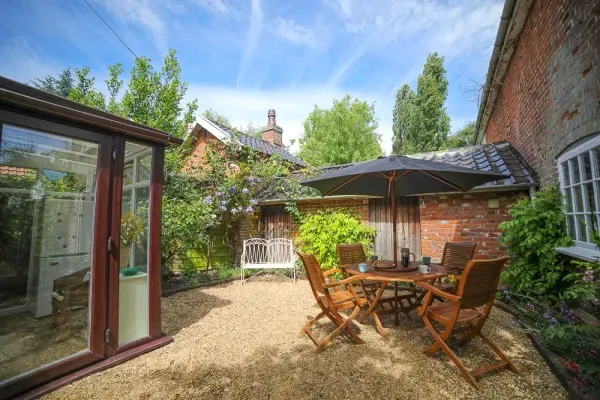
{"x": 572, "y": 156}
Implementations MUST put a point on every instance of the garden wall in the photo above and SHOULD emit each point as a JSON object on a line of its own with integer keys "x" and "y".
{"x": 469, "y": 217}
{"x": 550, "y": 96}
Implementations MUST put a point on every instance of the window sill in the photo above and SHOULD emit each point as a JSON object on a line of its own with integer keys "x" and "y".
{"x": 579, "y": 252}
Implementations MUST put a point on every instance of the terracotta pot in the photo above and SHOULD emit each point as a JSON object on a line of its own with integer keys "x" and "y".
{"x": 125, "y": 254}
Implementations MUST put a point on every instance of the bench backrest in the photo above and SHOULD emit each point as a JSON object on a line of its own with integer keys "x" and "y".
{"x": 268, "y": 251}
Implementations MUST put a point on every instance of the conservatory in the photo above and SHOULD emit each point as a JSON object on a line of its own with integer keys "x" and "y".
{"x": 80, "y": 254}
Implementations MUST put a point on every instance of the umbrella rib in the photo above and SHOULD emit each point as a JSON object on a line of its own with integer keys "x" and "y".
{"x": 442, "y": 180}
{"x": 342, "y": 184}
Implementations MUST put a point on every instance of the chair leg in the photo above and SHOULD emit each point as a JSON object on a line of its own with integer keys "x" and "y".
{"x": 440, "y": 342}
{"x": 338, "y": 330}
{"x": 499, "y": 353}
{"x": 349, "y": 330}
{"x": 306, "y": 328}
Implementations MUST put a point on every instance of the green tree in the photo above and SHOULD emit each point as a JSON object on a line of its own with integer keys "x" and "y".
{"x": 462, "y": 138}
{"x": 402, "y": 112}
{"x": 215, "y": 116}
{"x": 345, "y": 133}
{"x": 60, "y": 85}
{"x": 421, "y": 121}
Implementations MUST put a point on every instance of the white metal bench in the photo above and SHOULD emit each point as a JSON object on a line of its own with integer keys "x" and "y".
{"x": 266, "y": 254}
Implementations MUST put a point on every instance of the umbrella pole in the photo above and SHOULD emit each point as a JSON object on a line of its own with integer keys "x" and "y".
{"x": 394, "y": 215}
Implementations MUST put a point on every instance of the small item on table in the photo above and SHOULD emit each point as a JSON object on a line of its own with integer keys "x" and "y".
{"x": 381, "y": 264}
{"x": 426, "y": 260}
{"x": 362, "y": 267}
{"x": 405, "y": 260}
{"x": 374, "y": 258}
{"x": 424, "y": 269}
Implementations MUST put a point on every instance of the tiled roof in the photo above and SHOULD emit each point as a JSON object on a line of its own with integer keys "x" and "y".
{"x": 260, "y": 145}
{"x": 493, "y": 157}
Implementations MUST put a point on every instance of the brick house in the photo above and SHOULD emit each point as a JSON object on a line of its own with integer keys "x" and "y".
{"x": 542, "y": 95}
{"x": 204, "y": 130}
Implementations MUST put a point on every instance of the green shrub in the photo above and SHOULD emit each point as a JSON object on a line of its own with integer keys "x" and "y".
{"x": 320, "y": 233}
{"x": 226, "y": 273}
{"x": 536, "y": 229}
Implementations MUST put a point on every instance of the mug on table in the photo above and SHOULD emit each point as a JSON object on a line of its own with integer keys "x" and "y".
{"x": 424, "y": 269}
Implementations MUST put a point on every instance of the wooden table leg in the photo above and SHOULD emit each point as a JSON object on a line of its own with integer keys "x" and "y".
{"x": 372, "y": 307}
{"x": 396, "y": 321}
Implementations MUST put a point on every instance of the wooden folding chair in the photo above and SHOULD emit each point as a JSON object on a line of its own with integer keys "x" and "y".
{"x": 331, "y": 302}
{"x": 455, "y": 257}
{"x": 476, "y": 289}
{"x": 349, "y": 254}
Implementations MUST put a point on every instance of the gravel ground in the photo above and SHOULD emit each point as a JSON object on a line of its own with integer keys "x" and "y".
{"x": 242, "y": 342}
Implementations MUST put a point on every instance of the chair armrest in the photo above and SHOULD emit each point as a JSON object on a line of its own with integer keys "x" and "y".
{"x": 438, "y": 292}
{"x": 333, "y": 271}
{"x": 342, "y": 282}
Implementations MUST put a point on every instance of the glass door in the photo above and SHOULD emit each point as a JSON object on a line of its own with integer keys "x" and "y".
{"x": 54, "y": 192}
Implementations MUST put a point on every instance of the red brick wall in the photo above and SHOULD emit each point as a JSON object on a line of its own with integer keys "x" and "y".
{"x": 464, "y": 218}
{"x": 550, "y": 96}
{"x": 196, "y": 158}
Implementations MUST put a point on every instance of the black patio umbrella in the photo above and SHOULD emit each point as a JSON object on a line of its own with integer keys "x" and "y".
{"x": 395, "y": 176}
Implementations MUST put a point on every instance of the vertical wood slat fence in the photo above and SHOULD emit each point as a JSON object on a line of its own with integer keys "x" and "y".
{"x": 276, "y": 223}
{"x": 408, "y": 225}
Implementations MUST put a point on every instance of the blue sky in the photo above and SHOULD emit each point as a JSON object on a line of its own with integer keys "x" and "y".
{"x": 243, "y": 57}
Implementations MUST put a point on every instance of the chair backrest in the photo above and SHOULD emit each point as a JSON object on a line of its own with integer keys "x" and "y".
{"x": 457, "y": 254}
{"x": 479, "y": 282}
{"x": 314, "y": 273}
{"x": 351, "y": 254}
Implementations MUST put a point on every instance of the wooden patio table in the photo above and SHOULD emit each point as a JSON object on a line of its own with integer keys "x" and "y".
{"x": 397, "y": 303}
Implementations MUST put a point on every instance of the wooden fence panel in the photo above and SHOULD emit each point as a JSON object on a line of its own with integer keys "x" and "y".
{"x": 275, "y": 222}
{"x": 408, "y": 228}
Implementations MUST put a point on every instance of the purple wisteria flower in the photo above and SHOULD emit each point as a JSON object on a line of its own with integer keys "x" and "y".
{"x": 239, "y": 208}
{"x": 208, "y": 200}
{"x": 234, "y": 210}
{"x": 224, "y": 203}
{"x": 250, "y": 210}
{"x": 253, "y": 202}
{"x": 219, "y": 194}
{"x": 223, "y": 208}
{"x": 232, "y": 190}
{"x": 245, "y": 191}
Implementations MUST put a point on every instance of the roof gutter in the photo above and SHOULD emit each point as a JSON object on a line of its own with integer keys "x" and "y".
{"x": 513, "y": 19}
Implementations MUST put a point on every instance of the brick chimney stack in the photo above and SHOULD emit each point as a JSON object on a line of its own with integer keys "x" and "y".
{"x": 271, "y": 132}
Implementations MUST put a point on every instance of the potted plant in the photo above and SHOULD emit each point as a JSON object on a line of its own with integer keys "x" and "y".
{"x": 131, "y": 227}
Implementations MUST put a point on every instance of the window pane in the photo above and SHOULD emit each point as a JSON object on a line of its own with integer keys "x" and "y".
{"x": 582, "y": 228}
{"x": 128, "y": 173}
{"x": 578, "y": 199}
{"x": 596, "y": 153}
{"x": 571, "y": 226}
{"x": 569, "y": 200}
{"x": 587, "y": 166}
{"x": 133, "y": 279}
{"x": 590, "y": 196}
{"x": 575, "y": 167}
{"x": 144, "y": 165}
{"x": 46, "y": 240}
{"x": 566, "y": 177}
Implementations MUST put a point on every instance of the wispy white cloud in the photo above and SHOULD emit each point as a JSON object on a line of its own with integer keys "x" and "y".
{"x": 414, "y": 26}
{"x": 254, "y": 32}
{"x": 297, "y": 34}
{"x": 214, "y": 5}
{"x": 146, "y": 14}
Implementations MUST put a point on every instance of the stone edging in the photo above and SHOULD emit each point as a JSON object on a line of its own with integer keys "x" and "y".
{"x": 557, "y": 369}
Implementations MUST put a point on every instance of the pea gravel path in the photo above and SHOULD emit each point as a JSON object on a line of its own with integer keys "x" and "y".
{"x": 241, "y": 342}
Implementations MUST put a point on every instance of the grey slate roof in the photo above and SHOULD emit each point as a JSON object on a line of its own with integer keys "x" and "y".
{"x": 260, "y": 145}
{"x": 494, "y": 157}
